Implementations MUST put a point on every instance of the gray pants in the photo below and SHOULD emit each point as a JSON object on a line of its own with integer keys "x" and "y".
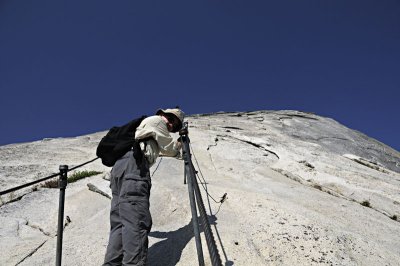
{"x": 130, "y": 217}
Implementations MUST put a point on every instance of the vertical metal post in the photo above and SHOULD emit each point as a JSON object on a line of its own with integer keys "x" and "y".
{"x": 184, "y": 175}
{"x": 62, "y": 185}
{"x": 190, "y": 174}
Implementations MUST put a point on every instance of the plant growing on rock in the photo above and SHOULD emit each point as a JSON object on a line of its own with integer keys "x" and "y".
{"x": 72, "y": 178}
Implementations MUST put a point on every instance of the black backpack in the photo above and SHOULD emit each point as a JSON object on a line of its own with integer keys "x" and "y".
{"x": 117, "y": 142}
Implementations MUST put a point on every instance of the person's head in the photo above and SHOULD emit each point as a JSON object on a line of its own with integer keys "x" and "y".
{"x": 174, "y": 116}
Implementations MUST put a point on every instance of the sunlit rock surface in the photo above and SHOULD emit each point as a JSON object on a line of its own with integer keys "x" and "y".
{"x": 301, "y": 189}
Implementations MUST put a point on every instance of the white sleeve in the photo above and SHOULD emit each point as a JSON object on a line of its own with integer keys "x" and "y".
{"x": 156, "y": 128}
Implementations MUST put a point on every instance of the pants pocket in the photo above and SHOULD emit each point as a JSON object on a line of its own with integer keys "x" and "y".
{"x": 137, "y": 222}
{"x": 135, "y": 188}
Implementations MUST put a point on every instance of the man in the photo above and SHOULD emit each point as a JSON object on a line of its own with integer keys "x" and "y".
{"x": 130, "y": 217}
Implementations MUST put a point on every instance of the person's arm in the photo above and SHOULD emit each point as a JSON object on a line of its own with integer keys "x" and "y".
{"x": 156, "y": 128}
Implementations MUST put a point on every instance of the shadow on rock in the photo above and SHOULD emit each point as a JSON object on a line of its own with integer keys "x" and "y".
{"x": 169, "y": 251}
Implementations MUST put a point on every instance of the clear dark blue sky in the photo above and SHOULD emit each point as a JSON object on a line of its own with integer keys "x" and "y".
{"x": 69, "y": 68}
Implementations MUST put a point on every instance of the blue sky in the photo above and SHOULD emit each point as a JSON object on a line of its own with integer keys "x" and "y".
{"x": 69, "y": 68}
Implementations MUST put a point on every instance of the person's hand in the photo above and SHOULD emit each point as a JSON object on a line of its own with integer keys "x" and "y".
{"x": 178, "y": 145}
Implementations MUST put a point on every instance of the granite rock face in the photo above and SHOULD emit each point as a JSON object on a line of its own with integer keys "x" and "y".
{"x": 301, "y": 189}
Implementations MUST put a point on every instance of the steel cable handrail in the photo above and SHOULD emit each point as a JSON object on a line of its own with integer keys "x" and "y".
{"x": 42, "y": 179}
{"x": 212, "y": 246}
{"x": 193, "y": 186}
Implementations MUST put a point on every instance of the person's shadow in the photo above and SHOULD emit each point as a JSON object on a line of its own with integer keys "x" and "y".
{"x": 168, "y": 252}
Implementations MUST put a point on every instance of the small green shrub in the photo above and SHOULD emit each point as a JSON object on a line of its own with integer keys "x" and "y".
{"x": 79, "y": 175}
{"x": 53, "y": 183}
{"x": 394, "y": 217}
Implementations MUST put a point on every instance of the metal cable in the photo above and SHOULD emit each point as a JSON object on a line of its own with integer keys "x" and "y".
{"x": 202, "y": 176}
{"x": 27, "y": 184}
{"x": 42, "y": 179}
{"x": 73, "y": 168}
{"x": 212, "y": 246}
{"x": 223, "y": 198}
{"x": 156, "y": 167}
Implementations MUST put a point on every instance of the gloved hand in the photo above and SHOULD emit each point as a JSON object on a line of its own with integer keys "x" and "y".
{"x": 178, "y": 145}
{"x": 147, "y": 152}
{"x": 178, "y": 148}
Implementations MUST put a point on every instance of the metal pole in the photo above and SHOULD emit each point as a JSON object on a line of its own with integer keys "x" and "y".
{"x": 190, "y": 175}
{"x": 184, "y": 176}
{"x": 62, "y": 185}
